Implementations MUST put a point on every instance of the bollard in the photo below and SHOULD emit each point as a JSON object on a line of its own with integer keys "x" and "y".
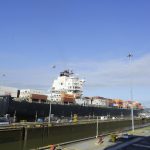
{"x": 113, "y": 137}
{"x": 52, "y": 147}
{"x": 100, "y": 139}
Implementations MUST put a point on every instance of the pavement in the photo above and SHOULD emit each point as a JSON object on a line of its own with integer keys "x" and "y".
{"x": 141, "y": 142}
{"x": 89, "y": 145}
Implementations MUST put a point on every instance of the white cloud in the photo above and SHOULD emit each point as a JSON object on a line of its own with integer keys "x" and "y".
{"x": 110, "y": 74}
{"x": 115, "y": 72}
{"x": 97, "y": 73}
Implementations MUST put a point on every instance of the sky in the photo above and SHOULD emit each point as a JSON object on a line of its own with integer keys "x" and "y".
{"x": 90, "y": 37}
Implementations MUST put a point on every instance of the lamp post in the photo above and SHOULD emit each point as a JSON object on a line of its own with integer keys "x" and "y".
{"x": 50, "y": 105}
{"x": 97, "y": 126}
{"x": 131, "y": 94}
{"x": 49, "y": 118}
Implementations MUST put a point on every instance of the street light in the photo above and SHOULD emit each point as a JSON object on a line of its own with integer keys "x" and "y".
{"x": 50, "y": 108}
{"x": 97, "y": 127}
{"x": 50, "y": 105}
{"x": 131, "y": 93}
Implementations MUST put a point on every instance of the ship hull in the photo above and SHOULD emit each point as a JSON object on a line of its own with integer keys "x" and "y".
{"x": 29, "y": 111}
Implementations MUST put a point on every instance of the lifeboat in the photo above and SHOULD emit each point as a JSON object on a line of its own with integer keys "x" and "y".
{"x": 67, "y": 98}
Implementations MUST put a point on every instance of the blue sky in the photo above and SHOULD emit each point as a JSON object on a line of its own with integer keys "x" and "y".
{"x": 91, "y": 37}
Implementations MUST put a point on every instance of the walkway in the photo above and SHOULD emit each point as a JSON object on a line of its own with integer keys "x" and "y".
{"x": 94, "y": 145}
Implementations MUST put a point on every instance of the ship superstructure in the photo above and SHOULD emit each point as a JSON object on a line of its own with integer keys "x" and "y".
{"x": 67, "y": 88}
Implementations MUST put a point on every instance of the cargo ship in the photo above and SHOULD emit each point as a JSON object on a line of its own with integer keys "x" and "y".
{"x": 65, "y": 99}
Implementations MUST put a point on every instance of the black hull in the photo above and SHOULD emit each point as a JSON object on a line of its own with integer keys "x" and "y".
{"x": 28, "y": 111}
